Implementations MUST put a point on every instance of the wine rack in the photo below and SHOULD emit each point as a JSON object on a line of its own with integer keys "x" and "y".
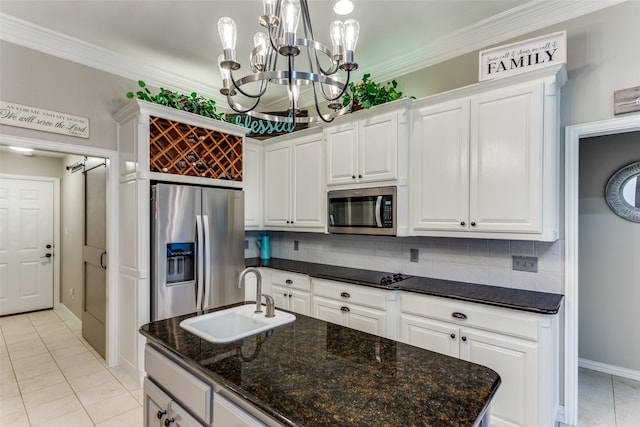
{"x": 182, "y": 149}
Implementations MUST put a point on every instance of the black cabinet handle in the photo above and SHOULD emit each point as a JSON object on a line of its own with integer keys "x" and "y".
{"x": 288, "y": 282}
{"x": 353, "y": 177}
{"x": 473, "y": 224}
{"x": 46, "y": 256}
{"x": 464, "y": 338}
{"x": 48, "y": 246}
{"x": 160, "y": 414}
{"x": 462, "y": 223}
{"x": 290, "y": 295}
{"x": 168, "y": 422}
{"x": 453, "y": 336}
{"x": 458, "y": 315}
{"x": 343, "y": 308}
{"x": 102, "y": 264}
{"x": 359, "y": 176}
{"x": 345, "y": 295}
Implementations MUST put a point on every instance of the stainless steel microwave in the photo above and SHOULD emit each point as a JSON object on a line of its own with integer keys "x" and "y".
{"x": 363, "y": 211}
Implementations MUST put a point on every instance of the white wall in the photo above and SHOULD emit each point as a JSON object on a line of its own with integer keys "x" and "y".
{"x": 609, "y": 267}
{"x": 18, "y": 164}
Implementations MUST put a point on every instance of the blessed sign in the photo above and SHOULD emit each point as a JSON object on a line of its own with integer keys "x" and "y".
{"x": 45, "y": 120}
{"x": 263, "y": 129}
{"x": 523, "y": 56}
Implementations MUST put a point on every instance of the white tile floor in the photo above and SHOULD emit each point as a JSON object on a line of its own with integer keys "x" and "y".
{"x": 50, "y": 376}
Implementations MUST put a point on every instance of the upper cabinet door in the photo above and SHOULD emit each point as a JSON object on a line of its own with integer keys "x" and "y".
{"x": 342, "y": 151}
{"x": 252, "y": 178}
{"x": 506, "y": 160}
{"x": 440, "y": 167}
{"x": 309, "y": 197}
{"x": 378, "y": 145}
{"x": 277, "y": 181}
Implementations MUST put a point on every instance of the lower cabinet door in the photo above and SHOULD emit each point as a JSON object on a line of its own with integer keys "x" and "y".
{"x": 228, "y": 414}
{"x": 280, "y": 297}
{"x": 156, "y": 405}
{"x": 429, "y": 334}
{"x": 329, "y": 310}
{"x": 367, "y": 320}
{"x": 515, "y": 360}
{"x": 300, "y": 302}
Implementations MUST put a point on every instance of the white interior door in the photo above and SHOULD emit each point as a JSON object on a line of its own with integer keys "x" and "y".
{"x": 26, "y": 245}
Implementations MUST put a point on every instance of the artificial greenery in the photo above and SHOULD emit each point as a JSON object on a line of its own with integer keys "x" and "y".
{"x": 368, "y": 93}
{"x": 193, "y": 104}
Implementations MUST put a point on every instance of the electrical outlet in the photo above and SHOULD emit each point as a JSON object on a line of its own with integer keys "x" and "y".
{"x": 72, "y": 292}
{"x": 525, "y": 263}
{"x": 295, "y": 245}
{"x": 414, "y": 255}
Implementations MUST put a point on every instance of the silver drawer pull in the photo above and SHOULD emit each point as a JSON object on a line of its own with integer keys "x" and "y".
{"x": 345, "y": 295}
{"x": 459, "y": 315}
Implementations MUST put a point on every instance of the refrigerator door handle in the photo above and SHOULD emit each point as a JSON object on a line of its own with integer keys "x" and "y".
{"x": 207, "y": 266}
{"x": 200, "y": 260}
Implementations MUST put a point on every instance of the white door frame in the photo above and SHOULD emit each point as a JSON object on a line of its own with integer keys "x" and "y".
{"x": 56, "y": 226}
{"x": 573, "y": 134}
{"x": 112, "y": 225}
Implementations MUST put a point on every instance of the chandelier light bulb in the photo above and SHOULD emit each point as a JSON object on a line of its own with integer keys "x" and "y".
{"x": 343, "y": 7}
{"x": 351, "y": 32}
{"x": 336, "y": 30}
{"x": 290, "y": 15}
{"x": 227, "y": 31}
{"x": 294, "y": 93}
{"x": 268, "y": 7}
{"x": 260, "y": 39}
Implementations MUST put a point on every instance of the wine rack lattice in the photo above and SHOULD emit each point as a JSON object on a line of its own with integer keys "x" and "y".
{"x": 183, "y": 149}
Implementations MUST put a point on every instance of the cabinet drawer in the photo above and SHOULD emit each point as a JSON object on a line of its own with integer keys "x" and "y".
{"x": 189, "y": 391}
{"x": 501, "y": 320}
{"x": 362, "y": 295}
{"x": 292, "y": 280}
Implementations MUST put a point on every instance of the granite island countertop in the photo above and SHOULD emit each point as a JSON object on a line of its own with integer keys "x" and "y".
{"x": 314, "y": 373}
{"x": 516, "y": 299}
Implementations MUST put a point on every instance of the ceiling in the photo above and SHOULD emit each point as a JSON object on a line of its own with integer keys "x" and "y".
{"x": 175, "y": 44}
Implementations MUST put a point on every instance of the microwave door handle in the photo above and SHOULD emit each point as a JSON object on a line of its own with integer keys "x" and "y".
{"x": 378, "y": 213}
{"x": 207, "y": 266}
{"x": 200, "y": 260}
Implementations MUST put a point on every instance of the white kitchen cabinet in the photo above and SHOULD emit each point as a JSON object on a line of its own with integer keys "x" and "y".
{"x": 291, "y": 291}
{"x": 228, "y": 414}
{"x": 368, "y": 146}
{"x": 161, "y": 410}
{"x": 141, "y": 160}
{"x": 357, "y": 307}
{"x": 252, "y": 179}
{"x": 521, "y": 347}
{"x": 484, "y": 160}
{"x": 294, "y": 191}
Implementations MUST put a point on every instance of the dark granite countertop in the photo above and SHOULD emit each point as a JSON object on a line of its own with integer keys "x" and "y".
{"x": 517, "y": 299}
{"x": 314, "y": 373}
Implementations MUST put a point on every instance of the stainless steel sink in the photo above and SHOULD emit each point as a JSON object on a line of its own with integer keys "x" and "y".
{"x": 234, "y": 323}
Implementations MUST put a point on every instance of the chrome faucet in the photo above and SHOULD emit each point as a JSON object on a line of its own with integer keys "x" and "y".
{"x": 259, "y": 294}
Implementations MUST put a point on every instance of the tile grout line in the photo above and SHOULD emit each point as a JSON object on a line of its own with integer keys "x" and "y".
{"x": 59, "y": 368}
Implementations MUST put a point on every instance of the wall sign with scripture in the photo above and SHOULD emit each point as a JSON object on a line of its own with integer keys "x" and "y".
{"x": 527, "y": 55}
{"x": 13, "y": 114}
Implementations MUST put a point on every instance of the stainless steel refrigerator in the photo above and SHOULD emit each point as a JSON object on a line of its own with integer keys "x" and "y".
{"x": 197, "y": 242}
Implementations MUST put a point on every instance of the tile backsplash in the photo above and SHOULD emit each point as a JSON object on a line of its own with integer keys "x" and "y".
{"x": 483, "y": 261}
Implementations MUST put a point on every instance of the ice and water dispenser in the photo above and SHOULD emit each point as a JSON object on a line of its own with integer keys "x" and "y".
{"x": 181, "y": 262}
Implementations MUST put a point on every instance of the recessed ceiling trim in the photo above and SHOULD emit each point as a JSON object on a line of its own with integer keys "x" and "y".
{"x": 521, "y": 20}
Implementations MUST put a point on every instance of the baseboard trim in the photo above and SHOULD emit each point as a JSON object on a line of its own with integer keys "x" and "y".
{"x": 64, "y": 308}
{"x": 609, "y": 369}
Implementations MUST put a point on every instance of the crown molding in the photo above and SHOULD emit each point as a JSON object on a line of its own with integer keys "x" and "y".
{"x": 527, "y": 18}
{"x": 515, "y": 22}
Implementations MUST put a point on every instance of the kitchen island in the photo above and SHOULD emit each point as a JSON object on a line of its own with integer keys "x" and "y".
{"x": 315, "y": 373}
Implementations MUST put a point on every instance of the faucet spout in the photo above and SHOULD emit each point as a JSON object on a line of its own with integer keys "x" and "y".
{"x": 258, "y": 285}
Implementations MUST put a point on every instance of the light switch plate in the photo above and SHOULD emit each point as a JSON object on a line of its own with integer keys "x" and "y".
{"x": 525, "y": 263}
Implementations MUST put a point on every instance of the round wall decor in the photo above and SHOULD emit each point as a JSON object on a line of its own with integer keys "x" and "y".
{"x": 623, "y": 192}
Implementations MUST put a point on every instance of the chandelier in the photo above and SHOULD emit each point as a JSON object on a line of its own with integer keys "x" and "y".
{"x": 326, "y": 71}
